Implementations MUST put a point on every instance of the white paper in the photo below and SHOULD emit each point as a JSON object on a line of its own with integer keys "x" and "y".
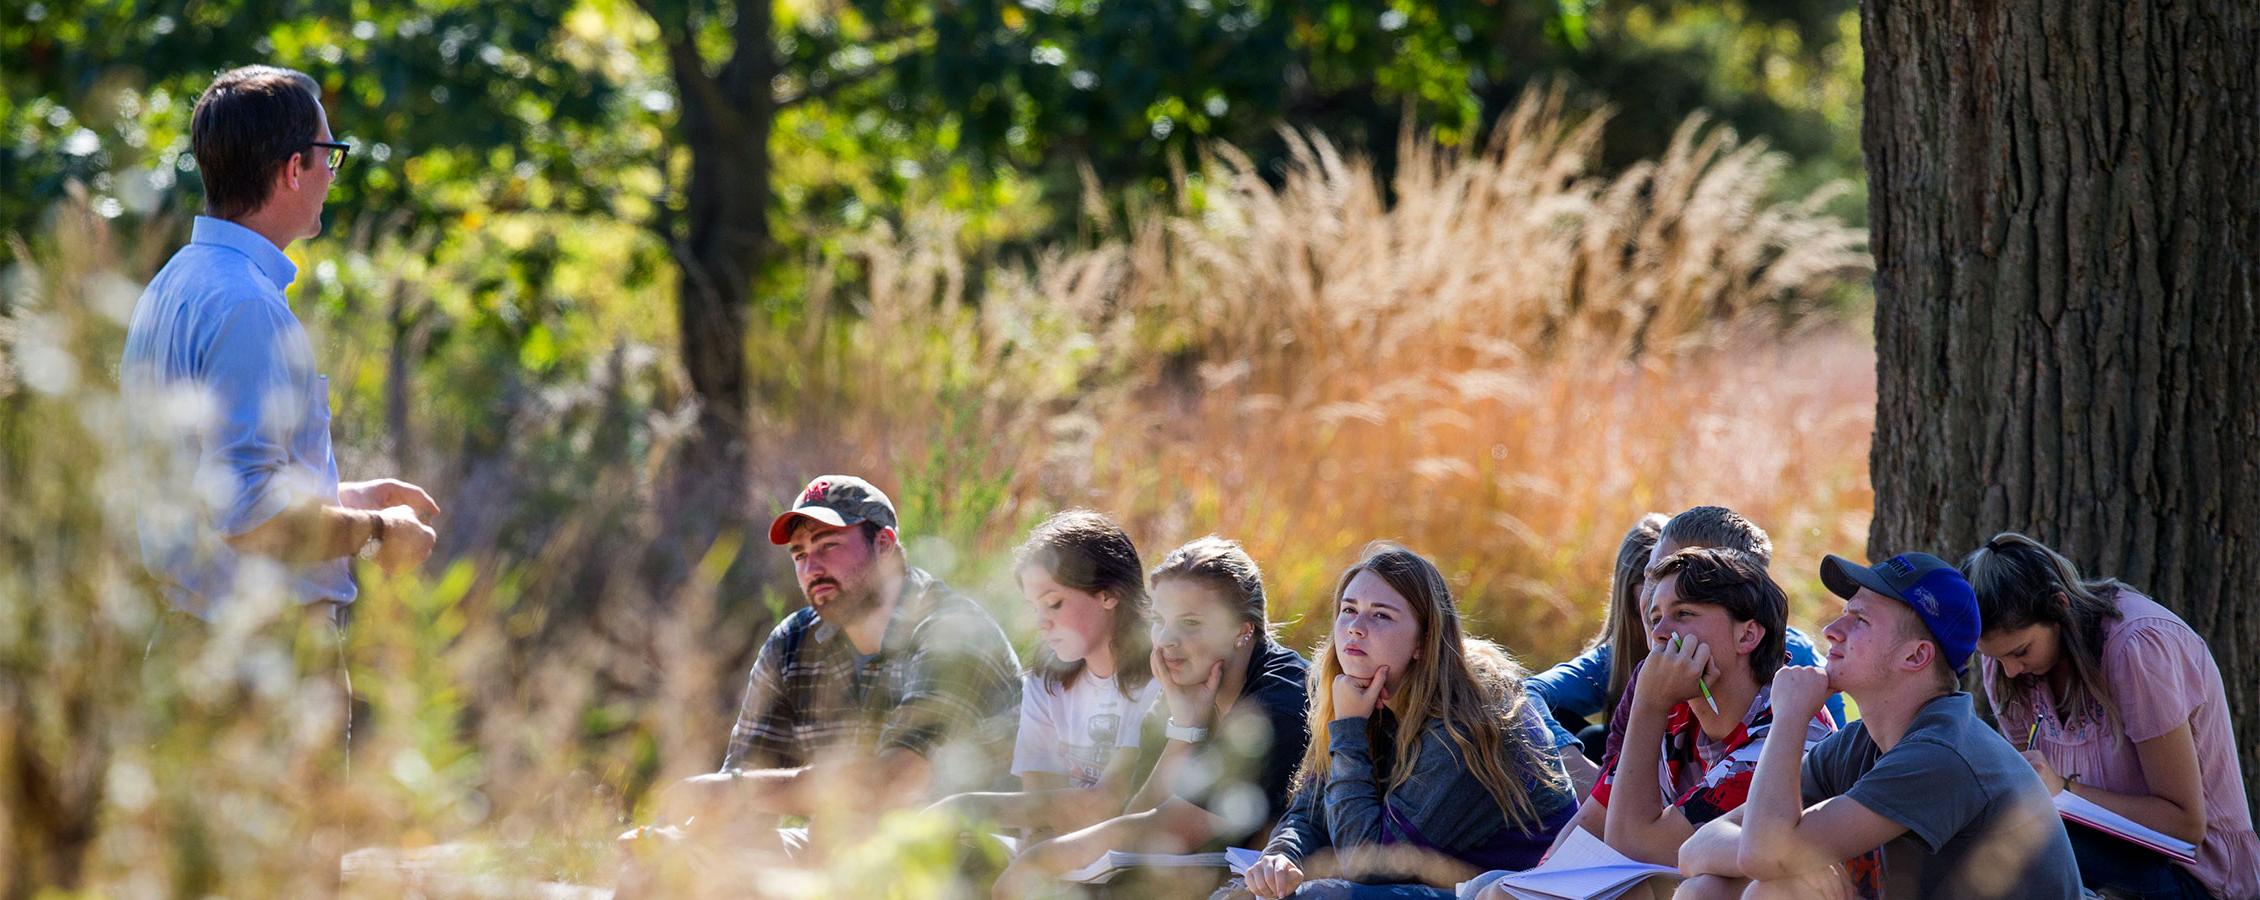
{"x": 1583, "y": 868}
{"x": 2083, "y": 810}
{"x": 1104, "y": 868}
{"x": 1238, "y": 859}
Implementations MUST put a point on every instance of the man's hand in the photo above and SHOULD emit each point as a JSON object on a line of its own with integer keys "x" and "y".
{"x": 387, "y": 492}
{"x": 1673, "y": 674}
{"x": 1798, "y": 692}
{"x": 407, "y": 540}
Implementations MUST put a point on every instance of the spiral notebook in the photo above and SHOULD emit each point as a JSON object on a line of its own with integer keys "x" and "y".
{"x": 2076, "y": 808}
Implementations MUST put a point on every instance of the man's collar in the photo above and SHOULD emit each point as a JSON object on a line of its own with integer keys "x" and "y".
{"x": 263, "y": 253}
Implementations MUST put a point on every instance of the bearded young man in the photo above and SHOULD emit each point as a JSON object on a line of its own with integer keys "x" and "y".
{"x": 889, "y": 688}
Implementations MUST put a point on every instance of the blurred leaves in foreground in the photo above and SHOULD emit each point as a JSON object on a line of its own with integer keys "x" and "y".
{"x": 1500, "y": 356}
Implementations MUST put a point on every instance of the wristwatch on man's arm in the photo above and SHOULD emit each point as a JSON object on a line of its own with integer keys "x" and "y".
{"x": 376, "y": 535}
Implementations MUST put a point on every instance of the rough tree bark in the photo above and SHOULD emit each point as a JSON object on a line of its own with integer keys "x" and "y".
{"x": 2065, "y": 199}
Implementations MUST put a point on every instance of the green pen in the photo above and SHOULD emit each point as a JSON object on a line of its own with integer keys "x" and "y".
{"x": 1703, "y": 683}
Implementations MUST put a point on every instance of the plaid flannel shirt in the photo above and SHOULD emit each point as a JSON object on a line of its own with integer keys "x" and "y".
{"x": 944, "y": 673}
{"x": 1707, "y": 779}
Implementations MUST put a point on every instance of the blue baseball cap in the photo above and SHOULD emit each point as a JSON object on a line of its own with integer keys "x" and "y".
{"x": 1930, "y": 586}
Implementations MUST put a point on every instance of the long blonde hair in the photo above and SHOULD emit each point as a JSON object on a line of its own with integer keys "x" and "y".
{"x": 1470, "y": 684}
{"x": 2021, "y": 582}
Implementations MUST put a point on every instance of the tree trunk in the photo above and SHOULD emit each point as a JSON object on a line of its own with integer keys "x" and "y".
{"x": 721, "y": 245}
{"x": 2066, "y": 208}
{"x": 399, "y": 442}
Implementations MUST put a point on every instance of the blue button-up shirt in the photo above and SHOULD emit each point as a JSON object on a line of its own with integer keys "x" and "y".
{"x": 219, "y": 379}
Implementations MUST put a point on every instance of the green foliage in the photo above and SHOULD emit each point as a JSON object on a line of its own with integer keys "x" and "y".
{"x": 452, "y": 106}
{"x": 1005, "y": 276}
{"x": 988, "y": 108}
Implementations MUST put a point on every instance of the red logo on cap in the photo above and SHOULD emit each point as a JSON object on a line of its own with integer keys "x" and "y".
{"x": 815, "y": 492}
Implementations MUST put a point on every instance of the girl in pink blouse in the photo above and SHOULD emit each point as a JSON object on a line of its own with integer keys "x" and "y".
{"x": 2115, "y": 700}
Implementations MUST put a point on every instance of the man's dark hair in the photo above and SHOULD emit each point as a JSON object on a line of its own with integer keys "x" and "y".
{"x": 1736, "y": 582}
{"x": 245, "y": 127}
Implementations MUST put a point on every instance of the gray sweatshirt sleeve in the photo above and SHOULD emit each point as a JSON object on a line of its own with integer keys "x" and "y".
{"x": 1441, "y": 804}
{"x": 1302, "y": 830}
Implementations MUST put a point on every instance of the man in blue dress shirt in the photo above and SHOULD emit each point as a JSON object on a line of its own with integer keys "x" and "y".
{"x": 223, "y": 383}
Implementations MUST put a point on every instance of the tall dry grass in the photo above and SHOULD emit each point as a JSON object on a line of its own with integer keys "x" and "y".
{"x": 1503, "y": 358}
{"x": 1500, "y": 358}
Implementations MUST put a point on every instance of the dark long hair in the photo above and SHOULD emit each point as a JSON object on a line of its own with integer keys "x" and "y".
{"x": 1085, "y": 550}
{"x": 2021, "y": 582}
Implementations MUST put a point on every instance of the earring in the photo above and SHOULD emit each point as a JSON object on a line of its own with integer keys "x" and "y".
{"x": 1243, "y": 641}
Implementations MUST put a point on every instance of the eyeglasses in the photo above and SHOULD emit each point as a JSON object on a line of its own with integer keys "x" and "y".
{"x": 337, "y": 152}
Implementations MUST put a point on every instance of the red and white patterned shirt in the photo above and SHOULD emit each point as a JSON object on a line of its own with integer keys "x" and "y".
{"x": 1708, "y": 778}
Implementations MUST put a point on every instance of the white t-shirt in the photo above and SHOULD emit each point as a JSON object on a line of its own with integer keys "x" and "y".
{"x": 1074, "y": 732}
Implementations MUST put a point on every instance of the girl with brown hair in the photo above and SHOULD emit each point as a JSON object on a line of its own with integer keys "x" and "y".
{"x": 1428, "y": 764}
{"x": 2115, "y": 700}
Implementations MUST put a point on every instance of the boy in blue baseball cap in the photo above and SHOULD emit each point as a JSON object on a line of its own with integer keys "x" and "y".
{"x": 1920, "y": 797}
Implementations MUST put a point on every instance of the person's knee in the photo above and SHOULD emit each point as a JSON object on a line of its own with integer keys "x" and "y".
{"x": 1325, "y": 889}
{"x": 1770, "y": 890}
{"x": 1824, "y": 884}
{"x": 1710, "y": 887}
{"x": 1014, "y": 882}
